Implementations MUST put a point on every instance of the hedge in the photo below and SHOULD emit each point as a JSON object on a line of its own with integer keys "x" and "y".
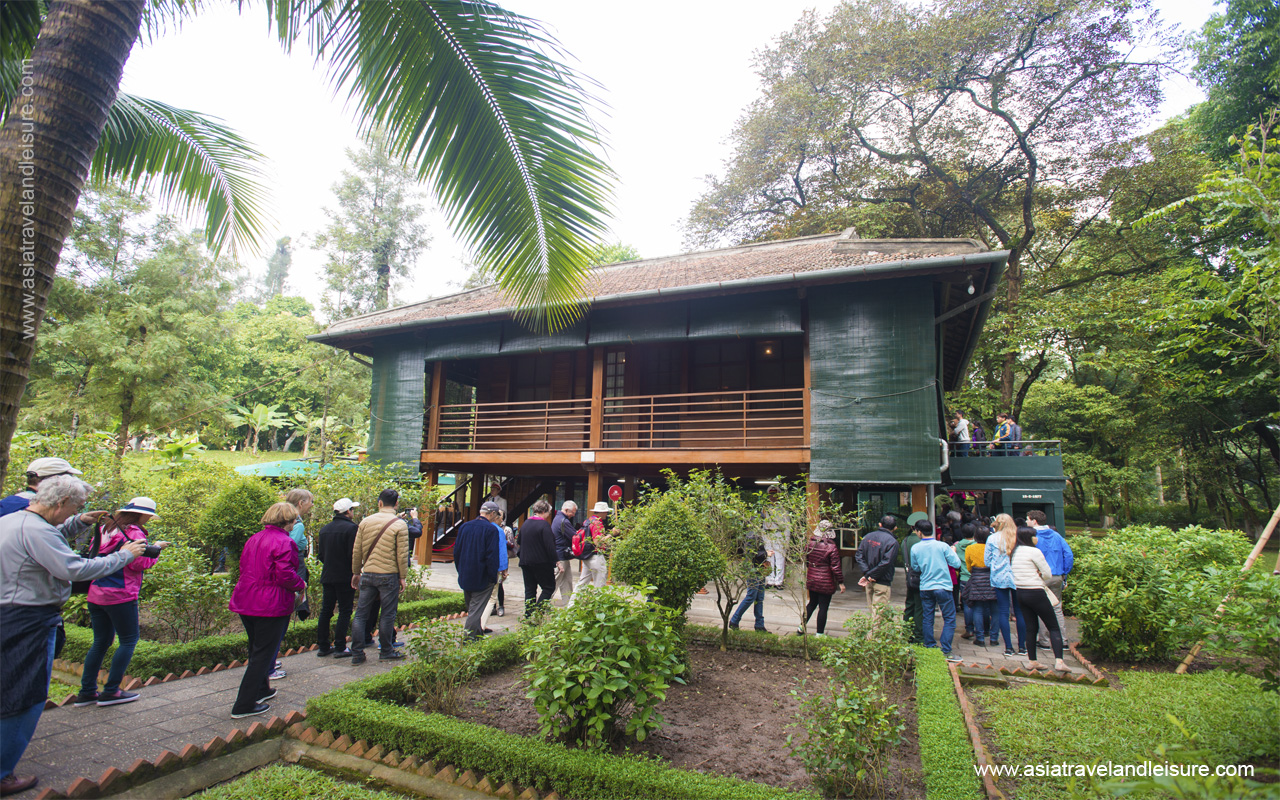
{"x": 373, "y": 710}
{"x": 152, "y": 659}
{"x": 946, "y": 752}
{"x": 790, "y": 646}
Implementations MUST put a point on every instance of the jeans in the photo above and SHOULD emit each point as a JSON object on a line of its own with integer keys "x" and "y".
{"x": 342, "y": 596}
{"x": 968, "y": 612}
{"x": 386, "y": 587}
{"x": 538, "y": 577}
{"x": 754, "y": 595}
{"x": 820, "y": 601}
{"x": 982, "y": 614}
{"x": 1005, "y": 599}
{"x": 962, "y": 449}
{"x": 109, "y": 621}
{"x": 476, "y": 602}
{"x": 943, "y": 599}
{"x": 17, "y": 731}
{"x": 265, "y": 635}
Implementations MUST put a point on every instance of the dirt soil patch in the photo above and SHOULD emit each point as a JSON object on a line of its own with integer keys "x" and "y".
{"x": 732, "y": 718}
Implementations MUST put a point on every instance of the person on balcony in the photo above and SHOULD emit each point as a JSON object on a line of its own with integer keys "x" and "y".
{"x": 1002, "y": 442}
{"x": 960, "y": 427}
{"x": 563, "y": 528}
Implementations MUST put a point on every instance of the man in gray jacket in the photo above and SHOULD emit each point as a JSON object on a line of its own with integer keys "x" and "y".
{"x": 36, "y": 569}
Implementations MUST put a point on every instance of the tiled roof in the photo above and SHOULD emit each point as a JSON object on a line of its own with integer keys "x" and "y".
{"x": 791, "y": 256}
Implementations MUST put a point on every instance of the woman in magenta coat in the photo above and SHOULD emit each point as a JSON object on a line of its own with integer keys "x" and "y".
{"x": 824, "y": 574}
{"x": 264, "y": 599}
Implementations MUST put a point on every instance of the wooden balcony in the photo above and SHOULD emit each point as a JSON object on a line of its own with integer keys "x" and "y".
{"x": 746, "y": 427}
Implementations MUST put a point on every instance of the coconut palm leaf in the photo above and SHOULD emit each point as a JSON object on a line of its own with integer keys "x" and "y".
{"x": 191, "y": 161}
{"x": 473, "y": 97}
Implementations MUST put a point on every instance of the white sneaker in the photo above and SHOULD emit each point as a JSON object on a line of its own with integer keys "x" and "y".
{"x": 820, "y": 634}
{"x": 277, "y": 675}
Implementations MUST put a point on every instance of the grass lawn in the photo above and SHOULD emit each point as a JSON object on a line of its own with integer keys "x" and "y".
{"x": 236, "y": 458}
{"x": 59, "y": 690}
{"x": 280, "y": 782}
{"x": 1234, "y": 719}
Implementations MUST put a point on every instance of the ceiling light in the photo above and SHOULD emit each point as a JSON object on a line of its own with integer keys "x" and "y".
{"x": 971, "y": 289}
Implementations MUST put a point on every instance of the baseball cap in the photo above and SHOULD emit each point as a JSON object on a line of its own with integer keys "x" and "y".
{"x": 48, "y": 467}
{"x": 490, "y": 508}
{"x": 345, "y": 504}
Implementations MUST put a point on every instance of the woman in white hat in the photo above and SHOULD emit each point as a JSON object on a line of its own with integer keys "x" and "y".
{"x": 113, "y": 604}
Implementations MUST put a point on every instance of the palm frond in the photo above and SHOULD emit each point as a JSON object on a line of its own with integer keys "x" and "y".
{"x": 475, "y": 99}
{"x": 191, "y": 161}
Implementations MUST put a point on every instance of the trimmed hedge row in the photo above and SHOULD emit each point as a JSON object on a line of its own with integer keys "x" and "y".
{"x": 371, "y": 710}
{"x": 946, "y": 752}
{"x": 750, "y": 640}
{"x": 152, "y": 659}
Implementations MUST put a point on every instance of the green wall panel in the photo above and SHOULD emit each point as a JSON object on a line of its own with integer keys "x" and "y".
{"x": 517, "y": 339}
{"x": 471, "y": 341}
{"x": 771, "y": 314}
{"x": 648, "y": 323}
{"x": 397, "y": 402}
{"x": 874, "y": 416}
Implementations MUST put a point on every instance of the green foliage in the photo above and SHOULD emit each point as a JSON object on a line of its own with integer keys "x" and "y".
{"x": 755, "y": 642}
{"x": 1237, "y": 67}
{"x": 184, "y": 596}
{"x": 373, "y": 710}
{"x": 447, "y": 663}
{"x": 874, "y": 649}
{"x": 183, "y": 498}
{"x": 599, "y": 668}
{"x": 155, "y": 659}
{"x": 667, "y": 548}
{"x": 362, "y": 482}
{"x": 291, "y": 782}
{"x": 945, "y": 750}
{"x": 1233, "y": 718}
{"x": 234, "y": 515}
{"x": 89, "y": 453}
{"x": 1247, "y": 633}
{"x": 850, "y": 732}
{"x": 1127, "y": 587}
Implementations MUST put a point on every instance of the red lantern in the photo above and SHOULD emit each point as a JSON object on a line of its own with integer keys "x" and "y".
{"x": 615, "y": 493}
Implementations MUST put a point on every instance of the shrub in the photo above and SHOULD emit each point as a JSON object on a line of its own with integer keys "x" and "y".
{"x": 669, "y": 551}
{"x": 789, "y": 646}
{"x": 234, "y": 516}
{"x": 280, "y": 781}
{"x": 871, "y": 651}
{"x": 362, "y": 482}
{"x": 184, "y": 596}
{"x": 447, "y": 663}
{"x": 92, "y": 454}
{"x": 850, "y": 733}
{"x": 183, "y": 500}
{"x": 946, "y": 754}
{"x": 601, "y": 667}
{"x": 1127, "y": 587}
{"x": 1247, "y": 631}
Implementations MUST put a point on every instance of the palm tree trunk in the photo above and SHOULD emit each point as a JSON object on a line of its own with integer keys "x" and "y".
{"x": 46, "y": 148}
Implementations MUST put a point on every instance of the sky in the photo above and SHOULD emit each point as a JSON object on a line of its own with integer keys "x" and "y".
{"x": 675, "y": 77}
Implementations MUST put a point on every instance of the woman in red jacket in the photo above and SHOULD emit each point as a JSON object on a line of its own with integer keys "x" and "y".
{"x": 264, "y": 599}
{"x": 825, "y": 575}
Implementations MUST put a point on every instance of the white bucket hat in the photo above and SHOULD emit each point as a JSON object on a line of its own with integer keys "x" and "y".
{"x": 140, "y": 505}
{"x": 601, "y": 508}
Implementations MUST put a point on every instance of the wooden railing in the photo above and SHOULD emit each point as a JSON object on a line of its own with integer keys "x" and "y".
{"x": 706, "y": 420}
{"x": 767, "y": 418}
{"x": 532, "y": 425}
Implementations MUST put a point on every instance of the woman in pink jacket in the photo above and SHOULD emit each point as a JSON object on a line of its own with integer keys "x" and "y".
{"x": 264, "y": 599}
{"x": 113, "y": 605}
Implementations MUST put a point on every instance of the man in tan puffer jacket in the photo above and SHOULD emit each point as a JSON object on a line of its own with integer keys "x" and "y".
{"x": 379, "y": 563}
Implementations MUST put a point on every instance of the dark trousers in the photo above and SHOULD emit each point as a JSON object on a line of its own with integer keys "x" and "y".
{"x": 265, "y": 635}
{"x": 913, "y": 614}
{"x": 820, "y": 601}
{"x": 501, "y": 595}
{"x": 1036, "y": 606}
{"x": 342, "y": 596}
{"x": 386, "y": 588}
{"x": 538, "y": 576}
{"x": 119, "y": 619}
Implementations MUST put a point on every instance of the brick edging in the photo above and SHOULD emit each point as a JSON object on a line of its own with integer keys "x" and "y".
{"x": 1097, "y": 673}
{"x": 114, "y": 779}
{"x": 1094, "y": 679}
{"x": 129, "y": 683}
{"x": 975, "y": 736}
{"x": 448, "y": 773}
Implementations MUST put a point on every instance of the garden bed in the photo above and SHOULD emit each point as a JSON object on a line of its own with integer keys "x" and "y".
{"x": 732, "y": 718}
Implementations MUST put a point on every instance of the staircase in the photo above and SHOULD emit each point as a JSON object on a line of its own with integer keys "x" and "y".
{"x": 442, "y": 545}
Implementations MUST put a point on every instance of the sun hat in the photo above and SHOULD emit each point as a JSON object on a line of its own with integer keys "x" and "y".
{"x": 48, "y": 467}
{"x": 601, "y": 508}
{"x": 345, "y": 504}
{"x": 916, "y": 516}
{"x": 139, "y": 505}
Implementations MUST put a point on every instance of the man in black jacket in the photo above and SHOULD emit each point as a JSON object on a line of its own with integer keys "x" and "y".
{"x": 563, "y": 528}
{"x": 876, "y": 554}
{"x": 333, "y": 547}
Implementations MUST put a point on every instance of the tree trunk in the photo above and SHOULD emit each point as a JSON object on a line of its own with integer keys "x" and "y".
{"x": 126, "y": 418}
{"x": 46, "y": 148}
{"x": 382, "y": 269}
{"x": 306, "y": 441}
{"x": 79, "y": 392}
{"x": 1013, "y": 296}
{"x": 289, "y": 442}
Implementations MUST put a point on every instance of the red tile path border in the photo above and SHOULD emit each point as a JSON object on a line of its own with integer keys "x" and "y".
{"x": 971, "y": 722}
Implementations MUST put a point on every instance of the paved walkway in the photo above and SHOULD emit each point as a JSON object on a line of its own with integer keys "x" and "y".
{"x": 83, "y": 742}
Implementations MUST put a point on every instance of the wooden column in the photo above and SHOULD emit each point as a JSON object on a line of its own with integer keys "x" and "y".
{"x": 593, "y": 492}
{"x": 437, "y": 395}
{"x": 423, "y": 551}
{"x": 920, "y": 498}
{"x": 477, "y": 494}
{"x": 814, "y": 492}
{"x": 596, "y": 436}
{"x": 629, "y": 490}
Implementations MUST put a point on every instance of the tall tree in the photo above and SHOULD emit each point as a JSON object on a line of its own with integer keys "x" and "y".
{"x": 1238, "y": 64}
{"x": 278, "y": 267}
{"x": 375, "y": 233}
{"x": 470, "y": 94}
{"x": 966, "y": 117}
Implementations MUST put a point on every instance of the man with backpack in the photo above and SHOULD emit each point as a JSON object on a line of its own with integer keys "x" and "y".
{"x": 586, "y": 547}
